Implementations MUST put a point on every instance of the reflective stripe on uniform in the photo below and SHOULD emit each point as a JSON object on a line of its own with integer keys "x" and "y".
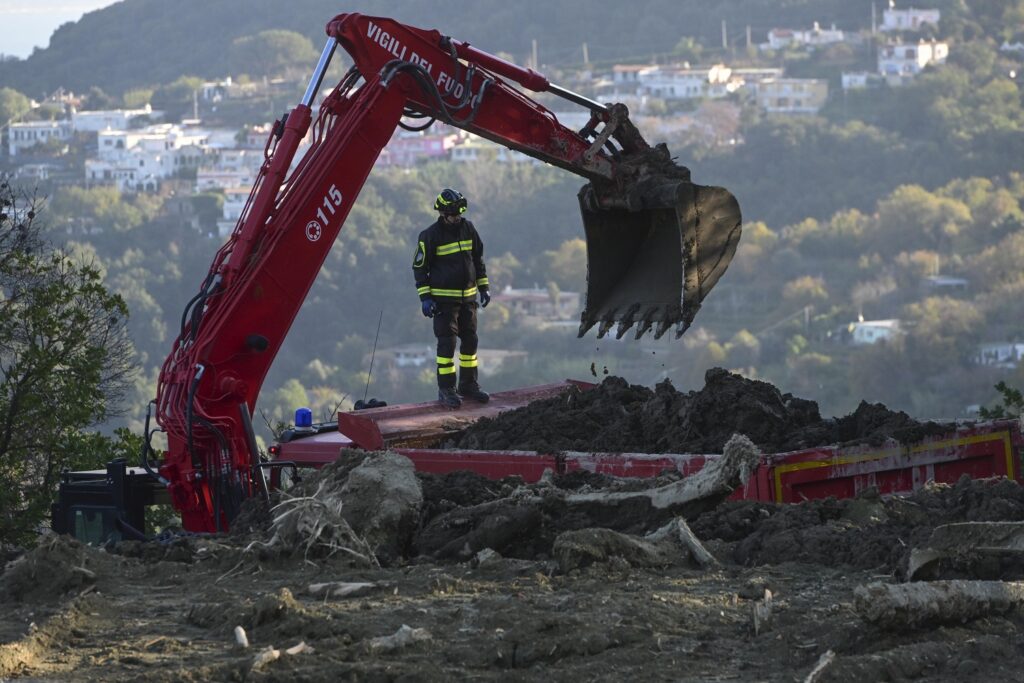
{"x": 425, "y": 289}
{"x": 460, "y": 293}
{"x": 454, "y": 247}
{"x": 421, "y": 255}
{"x": 445, "y": 366}
{"x": 467, "y": 360}
{"x": 482, "y": 282}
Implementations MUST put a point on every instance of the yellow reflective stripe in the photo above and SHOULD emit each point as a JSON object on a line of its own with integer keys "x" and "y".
{"x": 467, "y": 356}
{"x": 454, "y": 292}
{"x": 467, "y": 363}
{"x": 482, "y": 282}
{"x": 449, "y": 370}
{"x": 441, "y": 360}
{"x": 454, "y": 247}
{"x": 421, "y": 255}
{"x": 425, "y": 289}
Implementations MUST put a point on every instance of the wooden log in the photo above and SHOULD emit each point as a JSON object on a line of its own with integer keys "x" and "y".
{"x": 925, "y": 605}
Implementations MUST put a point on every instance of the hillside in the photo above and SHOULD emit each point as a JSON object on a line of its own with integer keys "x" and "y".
{"x": 138, "y": 43}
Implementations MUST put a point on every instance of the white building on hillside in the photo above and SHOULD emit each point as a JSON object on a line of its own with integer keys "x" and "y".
{"x": 779, "y": 38}
{"x": 792, "y": 95}
{"x": 139, "y": 160}
{"x": 909, "y": 19}
{"x": 999, "y": 354}
{"x": 874, "y": 331}
{"x": 680, "y": 83}
{"x": 906, "y": 60}
{"x": 113, "y": 119}
{"x": 22, "y": 136}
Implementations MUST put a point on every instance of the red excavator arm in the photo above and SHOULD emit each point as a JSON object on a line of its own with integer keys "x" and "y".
{"x": 656, "y": 242}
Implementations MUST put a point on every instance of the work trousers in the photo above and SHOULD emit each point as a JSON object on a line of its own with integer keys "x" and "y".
{"x": 456, "y": 320}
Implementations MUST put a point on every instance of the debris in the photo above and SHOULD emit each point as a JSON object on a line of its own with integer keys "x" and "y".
{"x": 300, "y": 648}
{"x": 314, "y": 525}
{"x": 698, "y": 492}
{"x": 976, "y": 550}
{"x": 824, "y": 661}
{"x": 761, "y": 613}
{"x": 524, "y": 524}
{"x": 679, "y": 530}
{"x": 915, "y": 605}
{"x": 340, "y": 589}
{"x": 578, "y": 549}
{"x": 382, "y": 504}
{"x": 403, "y": 637}
{"x": 486, "y": 558}
{"x": 241, "y": 640}
{"x": 265, "y": 656}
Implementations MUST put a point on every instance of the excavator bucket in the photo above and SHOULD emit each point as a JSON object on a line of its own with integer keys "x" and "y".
{"x": 652, "y": 263}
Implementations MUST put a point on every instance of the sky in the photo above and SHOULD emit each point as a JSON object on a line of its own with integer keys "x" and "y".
{"x": 27, "y": 24}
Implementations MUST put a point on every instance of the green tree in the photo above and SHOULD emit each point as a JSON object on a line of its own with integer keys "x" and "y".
{"x": 176, "y": 98}
{"x": 913, "y": 218}
{"x": 567, "y": 265}
{"x": 805, "y": 291}
{"x": 270, "y": 53}
{"x": 137, "y": 97}
{"x": 12, "y": 105}
{"x": 65, "y": 362}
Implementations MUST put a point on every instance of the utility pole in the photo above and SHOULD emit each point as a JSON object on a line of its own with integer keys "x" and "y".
{"x": 536, "y": 65}
{"x": 725, "y": 36}
{"x": 874, "y": 22}
{"x": 748, "y": 35}
{"x": 586, "y": 55}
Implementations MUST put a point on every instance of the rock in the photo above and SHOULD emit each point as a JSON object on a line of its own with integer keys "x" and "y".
{"x": 578, "y": 549}
{"x": 382, "y": 504}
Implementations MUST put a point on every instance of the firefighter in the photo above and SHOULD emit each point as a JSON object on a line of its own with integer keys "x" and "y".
{"x": 450, "y": 273}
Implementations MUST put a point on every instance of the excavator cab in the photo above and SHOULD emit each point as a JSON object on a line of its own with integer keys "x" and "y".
{"x": 653, "y": 259}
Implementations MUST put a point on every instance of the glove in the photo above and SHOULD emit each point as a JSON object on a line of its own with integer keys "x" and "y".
{"x": 485, "y": 298}
{"x": 429, "y": 307}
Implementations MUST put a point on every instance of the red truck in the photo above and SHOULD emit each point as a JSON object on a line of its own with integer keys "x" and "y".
{"x": 978, "y": 449}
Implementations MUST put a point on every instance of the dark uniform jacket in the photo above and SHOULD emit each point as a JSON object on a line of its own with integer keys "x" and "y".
{"x": 449, "y": 263}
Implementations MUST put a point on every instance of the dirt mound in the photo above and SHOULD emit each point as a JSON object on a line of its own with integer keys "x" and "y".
{"x": 57, "y": 566}
{"x": 617, "y": 416}
{"x": 867, "y": 532}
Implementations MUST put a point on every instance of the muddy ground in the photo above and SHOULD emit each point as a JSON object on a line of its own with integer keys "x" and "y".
{"x": 548, "y": 598}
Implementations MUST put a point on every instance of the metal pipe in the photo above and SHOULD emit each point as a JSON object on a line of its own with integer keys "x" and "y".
{"x": 318, "y": 73}
{"x": 576, "y": 97}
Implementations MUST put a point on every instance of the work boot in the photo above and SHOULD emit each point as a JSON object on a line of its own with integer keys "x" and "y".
{"x": 448, "y": 397}
{"x": 474, "y": 393}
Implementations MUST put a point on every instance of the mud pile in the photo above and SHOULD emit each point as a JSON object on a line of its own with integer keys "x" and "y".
{"x": 620, "y": 417}
{"x": 867, "y": 532}
{"x": 58, "y": 566}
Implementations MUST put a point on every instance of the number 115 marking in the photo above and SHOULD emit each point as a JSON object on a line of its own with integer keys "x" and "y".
{"x": 332, "y": 202}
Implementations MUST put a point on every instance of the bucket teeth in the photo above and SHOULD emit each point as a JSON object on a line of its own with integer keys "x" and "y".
{"x": 646, "y": 320}
{"x": 603, "y": 328}
{"x": 627, "y": 321}
{"x": 681, "y": 328}
{"x": 662, "y": 328}
{"x": 585, "y": 325}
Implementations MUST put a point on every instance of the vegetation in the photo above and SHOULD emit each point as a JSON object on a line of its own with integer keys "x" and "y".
{"x": 65, "y": 360}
